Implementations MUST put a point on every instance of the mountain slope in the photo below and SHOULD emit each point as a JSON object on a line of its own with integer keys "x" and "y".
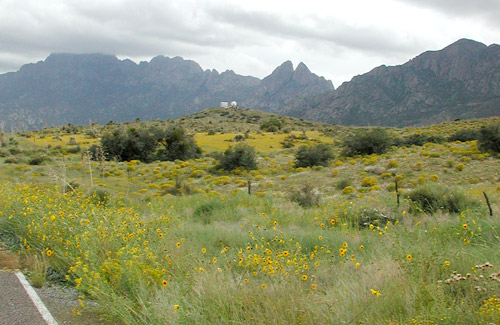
{"x": 459, "y": 81}
{"x": 76, "y": 88}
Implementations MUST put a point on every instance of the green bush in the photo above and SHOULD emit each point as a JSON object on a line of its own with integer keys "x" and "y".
{"x": 272, "y": 125}
{"x": 367, "y": 142}
{"x": 96, "y": 152}
{"x": 418, "y": 140}
{"x": 343, "y": 183}
{"x": 181, "y": 187}
{"x": 13, "y": 160}
{"x": 149, "y": 144}
{"x": 14, "y": 151}
{"x": 37, "y": 160}
{"x": 306, "y": 197}
{"x": 73, "y": 185}
{"x": 132, "y": 144}
{"x": 99, "y": 196}
{"x": 489, "y": 138}
{"x": 288, "y": 141}
{"x": 239, "y": 156}
{"x": 239, "y": 138}
{"x": 366, "y": 217}
{"x": 75, "y": 149}
{"x": 175, "y": 143}
{"x": 318, "y": 155}
{"x": 464, "y": 135}
{"x": 429, "y": 198}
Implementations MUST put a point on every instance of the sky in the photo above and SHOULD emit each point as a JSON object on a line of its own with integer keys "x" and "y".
{"x": 335, "y": 39}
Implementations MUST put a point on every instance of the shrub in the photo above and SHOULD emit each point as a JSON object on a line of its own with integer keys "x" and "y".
{"x": 240, "y": 156}
{"x": 13, "y": 160}
{"x": 132, "y": 144}
{"x": 175, "y": 144}
{"x": 367, "y": 142}
{"x": 343, "y": 183}
{"x": 369, "y": 181}
{"x": 99, "y": 196}
{"x": 288, "y": 141}
{"x": 306, "y": 197}
{"x": 287, "y": 144}
{"x": 149, "y": 144}
{"x": 272, "y": 125}
{"x": 392, "y": 164}
{"x": 14, "y": 151}
{"x": 239, "y": 138}
{"x": 75, "y": 149}
{"x": 464, "y": 135}
{"x": 367, "y": 217}
{"x": 72, "y": 185}
{"x": 180, "y": 188}
{"x": 431, "y": 197}
{"x": 96, "y": 152}
{"x": 418, "y": 139}
{"x": 37, "y": 160}
{"x": 489, "y": 138}
{"x": 318, "y": 155}
{"x": 348, "y": 190}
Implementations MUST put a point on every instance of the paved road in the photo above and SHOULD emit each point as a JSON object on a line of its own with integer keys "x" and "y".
{"x": 16, "y": 306}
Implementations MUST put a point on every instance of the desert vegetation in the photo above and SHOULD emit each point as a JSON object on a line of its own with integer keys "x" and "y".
{"x": 345, "y": 225}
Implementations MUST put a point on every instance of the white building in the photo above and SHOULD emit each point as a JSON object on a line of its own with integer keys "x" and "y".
{"x": 224, "y": 104}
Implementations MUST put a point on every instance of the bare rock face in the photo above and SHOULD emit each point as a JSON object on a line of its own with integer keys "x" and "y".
{"x": 76, "y": 88}
{"x": 460, "y": 81}
{"x": 285, "y": 84}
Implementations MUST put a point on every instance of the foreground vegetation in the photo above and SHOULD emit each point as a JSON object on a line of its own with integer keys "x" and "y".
{"x": 183, "y": 241}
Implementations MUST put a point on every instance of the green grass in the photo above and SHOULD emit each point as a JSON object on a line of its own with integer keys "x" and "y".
{"x": 223, "y": 256}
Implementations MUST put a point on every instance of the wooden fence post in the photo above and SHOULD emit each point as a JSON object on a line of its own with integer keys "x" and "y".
{"x": 488, "y": 203}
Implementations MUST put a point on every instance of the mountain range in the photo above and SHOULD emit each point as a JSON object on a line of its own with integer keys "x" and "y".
{"x": 458, "y": 82}
{"x": 78, "y": 88}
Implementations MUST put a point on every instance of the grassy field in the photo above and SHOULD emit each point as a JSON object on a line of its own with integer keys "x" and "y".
{"x": 174, "y": 242}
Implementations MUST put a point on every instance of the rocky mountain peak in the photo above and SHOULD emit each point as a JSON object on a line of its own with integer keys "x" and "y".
{"x": 281, "y": 74}
{"x": 302, "y": 74}
{"x": 464, "y": 44}
{"x": 73, "y": 88}
{"x": 461, "y": 80}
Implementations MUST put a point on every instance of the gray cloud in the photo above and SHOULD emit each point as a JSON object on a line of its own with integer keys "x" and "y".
{"x": 217, "y": 33}
{"x": 487, "y": 9}
{"x": 315, "y": 28}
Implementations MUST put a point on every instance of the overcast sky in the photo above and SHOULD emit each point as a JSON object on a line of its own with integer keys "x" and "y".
{"x": 335, "y": 39}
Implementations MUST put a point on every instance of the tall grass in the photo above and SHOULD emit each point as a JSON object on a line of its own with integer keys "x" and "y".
{"x": 253, "y": 263}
